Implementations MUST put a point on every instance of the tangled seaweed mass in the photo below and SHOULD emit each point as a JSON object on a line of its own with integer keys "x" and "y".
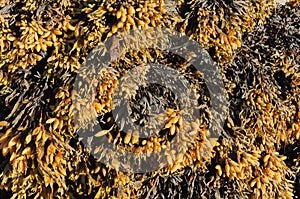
{"x": 254, "y": 43}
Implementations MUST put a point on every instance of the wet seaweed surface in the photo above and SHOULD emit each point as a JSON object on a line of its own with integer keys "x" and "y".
{"x": 254, "y": 43}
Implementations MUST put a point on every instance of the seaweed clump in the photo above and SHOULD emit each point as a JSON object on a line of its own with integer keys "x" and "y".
{"x": 43, "y": 45}
{"x": 219, "y": 25}
{"x": 257, "y": 155}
